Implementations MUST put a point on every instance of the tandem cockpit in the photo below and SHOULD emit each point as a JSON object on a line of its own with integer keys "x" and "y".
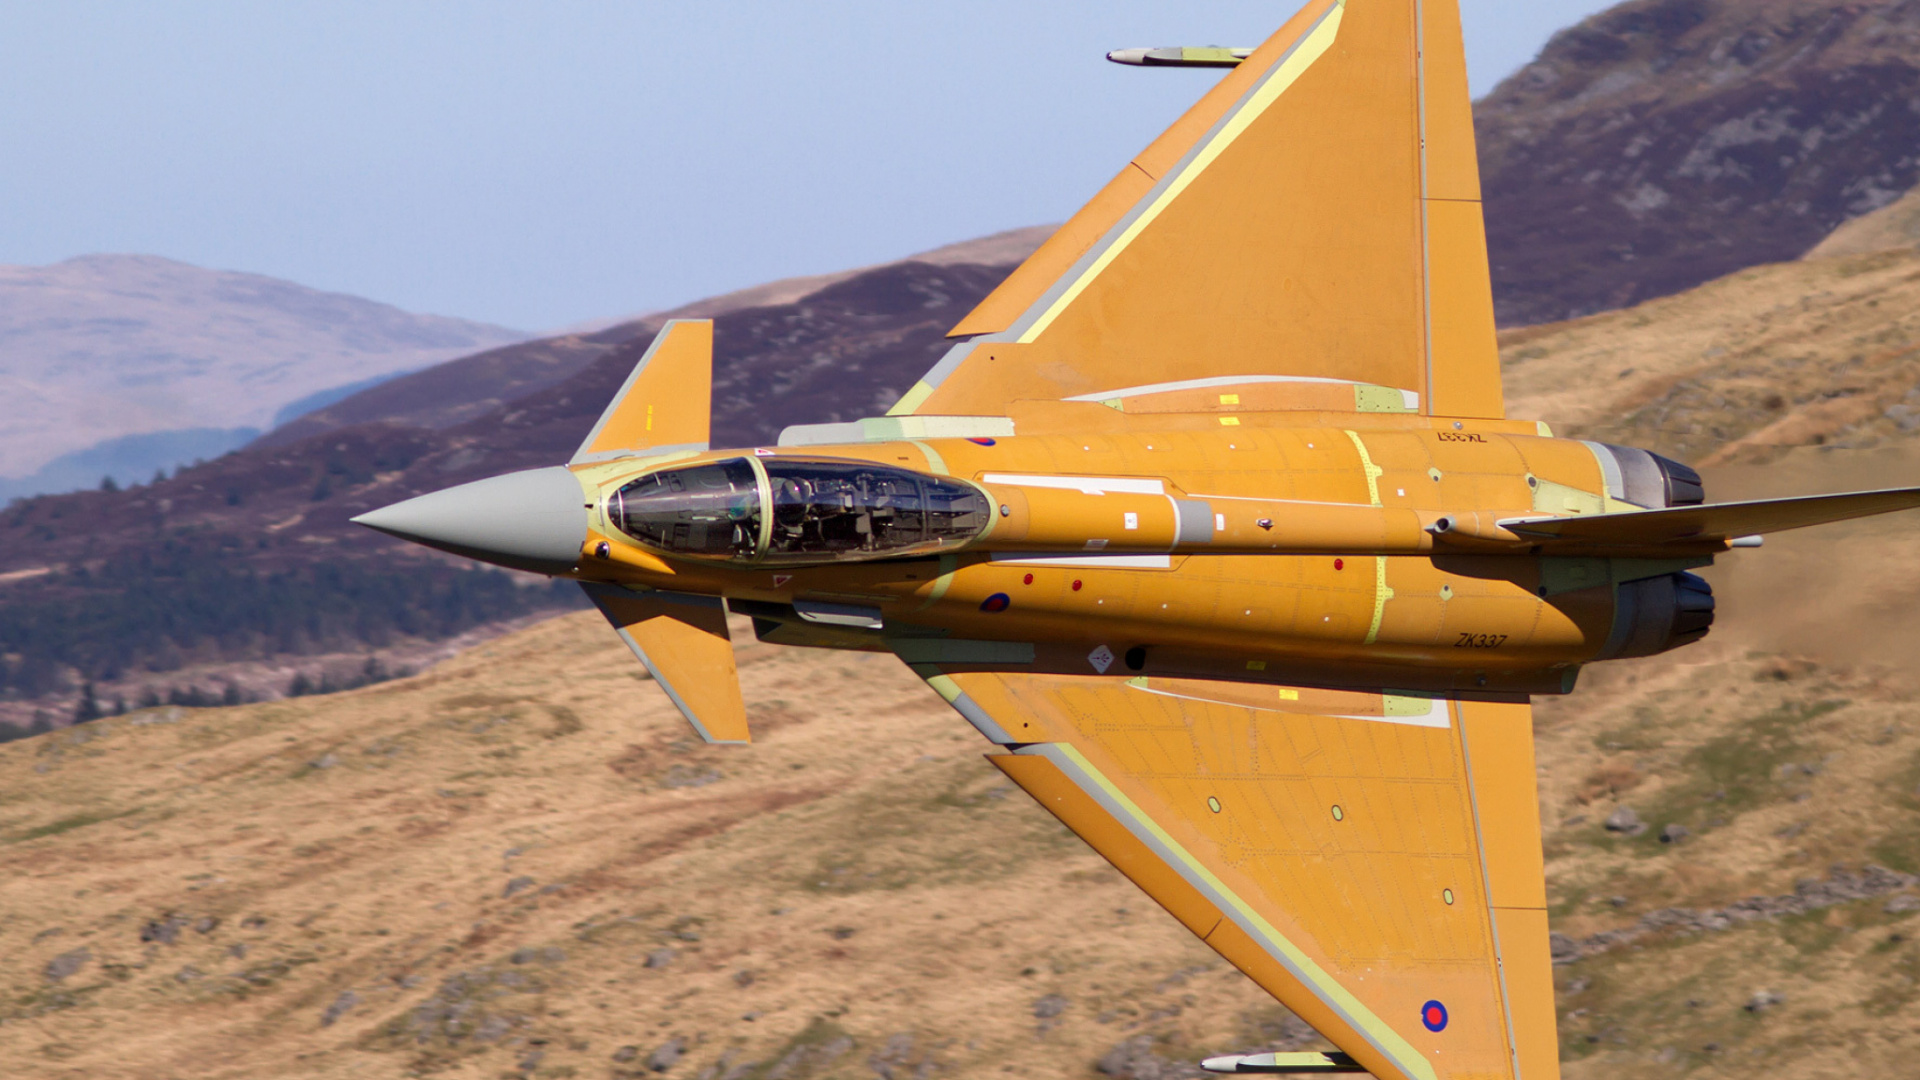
{"x": 787, "y": 511}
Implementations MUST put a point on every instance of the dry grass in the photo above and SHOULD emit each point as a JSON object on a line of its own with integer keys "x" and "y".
{"x": 858, "y": 867}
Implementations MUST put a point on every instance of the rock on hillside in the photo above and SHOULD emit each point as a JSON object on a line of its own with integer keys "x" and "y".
{"x": 105, "y": 346}
{"x": 1664, "y": 143}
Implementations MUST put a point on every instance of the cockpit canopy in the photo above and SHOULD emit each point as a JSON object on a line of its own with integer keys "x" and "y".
{"x": 807, "y": 511}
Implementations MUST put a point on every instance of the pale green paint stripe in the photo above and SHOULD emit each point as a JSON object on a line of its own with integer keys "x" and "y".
{"x": 948, "y": 564}
{"x": 1381, "y": 594}
{"x": 934, "y": 461}
{"x": 913, "y": 399}
{"x": 1374, "y": 472}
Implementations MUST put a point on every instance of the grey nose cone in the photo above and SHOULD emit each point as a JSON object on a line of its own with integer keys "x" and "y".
{"x": 534, "y": 520}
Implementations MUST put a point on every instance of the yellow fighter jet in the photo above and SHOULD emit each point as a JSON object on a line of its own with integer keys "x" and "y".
{"x": 1213, "y": 524}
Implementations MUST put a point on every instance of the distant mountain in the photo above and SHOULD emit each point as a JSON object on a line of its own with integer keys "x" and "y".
{"x": 103, "y": 347}
{"x": 251, "y": 555}
{"x": 129, "y": 459}
{"x": 1664, "y": 143}
{"x": 461, "y": 390}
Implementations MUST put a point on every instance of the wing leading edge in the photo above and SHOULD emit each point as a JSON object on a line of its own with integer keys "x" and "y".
{"x": 1362, "y": 859}
{"x": 1316, "y": 216}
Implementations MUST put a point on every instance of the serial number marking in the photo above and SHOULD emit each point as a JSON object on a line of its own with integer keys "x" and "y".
{"x": 1480, "y": 641}
{"x": 1455, "y": 436}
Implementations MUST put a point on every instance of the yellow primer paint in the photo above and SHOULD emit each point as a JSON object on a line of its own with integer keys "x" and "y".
{"x": 1324, "y": 985}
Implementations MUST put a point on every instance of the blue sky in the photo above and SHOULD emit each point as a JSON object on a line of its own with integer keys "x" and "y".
{"x": 538, "y": 165}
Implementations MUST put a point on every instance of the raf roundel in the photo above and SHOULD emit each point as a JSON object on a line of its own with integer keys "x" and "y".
{"x": 997, "y": 602}
{"x": 982, "y": 442}
{"x": 1434, "y": 1016}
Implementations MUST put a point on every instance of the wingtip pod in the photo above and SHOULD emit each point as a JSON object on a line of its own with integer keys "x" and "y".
{"x": 667, "y": 400}
{"x": 1205, "y": 56}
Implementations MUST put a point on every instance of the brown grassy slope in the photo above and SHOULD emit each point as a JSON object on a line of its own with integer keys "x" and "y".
{"x": 1822, "y": 352}
{"x": 1894, "y": 228}
{"x": 474, "y": 866}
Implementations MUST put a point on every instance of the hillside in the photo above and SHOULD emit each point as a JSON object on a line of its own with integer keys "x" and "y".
{"x": 1819, "y": 352}
{"x": 251, "y": 557}
{"x": 1665, "y": 143}
{"x": 1809, "y": 353}
{"x": 470, "y": 387}
{"x": 105, "y": 346}
{"x": 519, "y": 864}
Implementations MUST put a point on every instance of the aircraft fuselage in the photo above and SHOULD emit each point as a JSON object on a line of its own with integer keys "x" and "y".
{"x": 1365, "y": 552}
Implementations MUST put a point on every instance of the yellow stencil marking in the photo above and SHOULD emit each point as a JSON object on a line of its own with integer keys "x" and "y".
{"x": 1229, "y": 399}
{"x": 649, "y": 418}
{"x": 1309, "y": 50}
{"x": 1229, "y": 421}
{"x": 1287, "y": 694}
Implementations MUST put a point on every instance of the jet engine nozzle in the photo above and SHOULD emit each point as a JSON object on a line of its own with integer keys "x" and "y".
{"x": 533, "y": 520}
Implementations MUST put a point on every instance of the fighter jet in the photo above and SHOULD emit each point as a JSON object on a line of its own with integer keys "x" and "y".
{"x": 1213, "y": 524}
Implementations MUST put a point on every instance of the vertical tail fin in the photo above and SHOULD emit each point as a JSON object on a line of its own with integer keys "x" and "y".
{"x": 667, "y": 402}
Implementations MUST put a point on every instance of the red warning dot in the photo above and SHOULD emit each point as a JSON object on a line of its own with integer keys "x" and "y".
{"x": 1076, "y": 586}
{"x": 1028, "y": 580}
{"x": 1339, "y": 564}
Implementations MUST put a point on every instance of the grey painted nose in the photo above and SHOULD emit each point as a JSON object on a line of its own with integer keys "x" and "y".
{"x": 534, "y": 520}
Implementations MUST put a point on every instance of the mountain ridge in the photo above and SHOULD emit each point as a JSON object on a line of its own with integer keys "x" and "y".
{"x": 99, "y": 347}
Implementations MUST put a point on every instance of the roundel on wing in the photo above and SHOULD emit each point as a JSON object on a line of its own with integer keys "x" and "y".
{"x": 982, "y": 442}
{"x": 1434, "y": 1016}
{"x": 997, "y": 602}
